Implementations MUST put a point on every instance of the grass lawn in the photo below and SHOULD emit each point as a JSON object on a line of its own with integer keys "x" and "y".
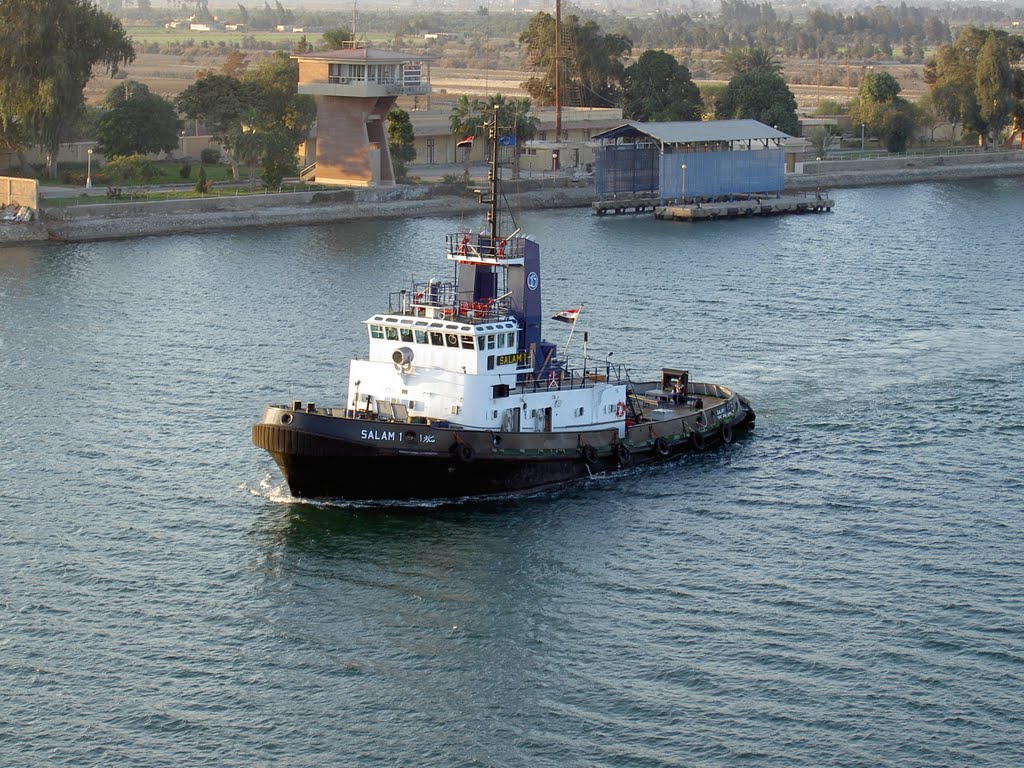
{"x": 169, "y": 171}
{"x": 147, "y": 194}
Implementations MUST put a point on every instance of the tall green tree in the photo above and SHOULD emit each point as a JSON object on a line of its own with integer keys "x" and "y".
{"x": 136, "y": 122}
{"x": 994, "y": 86}
{"x": 591, "y": 68}
{"x": 259, "y": 119}
{"x": 401, "y": 141}
{"x": 274, "y": 81}
{"x": 977, "y": 80}
{"x": 759, "y": 96}
{"x": 50, "y": 50}
{"x": 659, "y": 88}
{"x": 219, "y": 102}
{"x": 886, "y": 114}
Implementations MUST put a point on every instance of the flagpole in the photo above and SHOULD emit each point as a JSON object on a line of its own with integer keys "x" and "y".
{"x": 571, "y": 331}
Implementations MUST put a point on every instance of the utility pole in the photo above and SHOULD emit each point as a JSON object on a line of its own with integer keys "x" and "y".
{"x": 558, "y": 77}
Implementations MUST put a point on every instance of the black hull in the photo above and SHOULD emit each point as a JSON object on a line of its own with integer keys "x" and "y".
{"x": 463, "y": 463}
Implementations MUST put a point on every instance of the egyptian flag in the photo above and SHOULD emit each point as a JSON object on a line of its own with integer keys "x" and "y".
{"x": 567, "y": 315}
{"x": 466, "y": 142}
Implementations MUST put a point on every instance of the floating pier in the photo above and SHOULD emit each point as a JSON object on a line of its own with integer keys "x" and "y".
{"x": 699, "y": 210}
{"x": 632, "y": 204}
{"x": 752, "y": 206}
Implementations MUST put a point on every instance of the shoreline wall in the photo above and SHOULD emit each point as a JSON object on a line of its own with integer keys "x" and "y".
{"x": 117, "y": 220}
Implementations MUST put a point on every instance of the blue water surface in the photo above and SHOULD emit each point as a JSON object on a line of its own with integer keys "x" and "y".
{"x": 841, "y": 588}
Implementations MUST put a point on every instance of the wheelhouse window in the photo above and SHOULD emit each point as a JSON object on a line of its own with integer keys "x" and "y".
{"x": 437, "y": 338}
{"x": 452, "y": 340}
{"x": 392, "y": 334}
{"x": 421, "y": 337}
{"x": 376, "y": 332}
{"x": 406, "y": 334}
{"x": 467, "y": 342}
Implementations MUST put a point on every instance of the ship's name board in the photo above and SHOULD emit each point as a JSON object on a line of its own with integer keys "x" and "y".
{"x": 390, "y": 435}
{"x": 518, "y": 358}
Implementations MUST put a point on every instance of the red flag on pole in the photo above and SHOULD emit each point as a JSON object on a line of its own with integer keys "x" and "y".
{"x": 567, "y": 315}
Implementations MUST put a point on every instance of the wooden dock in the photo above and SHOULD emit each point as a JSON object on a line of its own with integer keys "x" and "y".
{"x": 632, "y": 204}
{"x": 737, "y": 208}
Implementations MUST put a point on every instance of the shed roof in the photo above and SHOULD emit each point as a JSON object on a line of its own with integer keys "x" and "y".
{"x": 690, "y": 131}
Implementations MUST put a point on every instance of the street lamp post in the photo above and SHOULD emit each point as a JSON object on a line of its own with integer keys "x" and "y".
{"x": 862, "y": 138}
{"x": 88, "y": 171}
{"x": 682, "y": 184}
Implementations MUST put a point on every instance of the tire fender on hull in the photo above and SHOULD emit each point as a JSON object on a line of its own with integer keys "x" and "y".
{"x": 623, "y": 454}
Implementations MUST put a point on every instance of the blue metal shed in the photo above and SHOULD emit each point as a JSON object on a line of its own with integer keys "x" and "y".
{"x": 710, "y": 159}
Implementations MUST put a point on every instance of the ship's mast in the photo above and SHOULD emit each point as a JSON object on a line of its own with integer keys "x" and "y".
{"x": 492, "y": 175}
{"x": 491, "y": 200}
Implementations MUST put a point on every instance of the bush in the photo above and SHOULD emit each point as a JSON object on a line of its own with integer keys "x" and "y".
{"x": 185, "y": 171}
{"x": 210, "y": 156}
{"x": 202, "y": 183}
{"x": 131, "y": 169}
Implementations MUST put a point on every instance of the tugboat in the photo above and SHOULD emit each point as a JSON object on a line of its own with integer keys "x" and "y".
{"x": 460, "y": 395}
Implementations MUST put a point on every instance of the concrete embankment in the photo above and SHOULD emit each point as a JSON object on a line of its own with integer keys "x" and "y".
{"x": 834, "y": 174}
{"x": 114, "y": 220}
{"x": 105, "y": 221}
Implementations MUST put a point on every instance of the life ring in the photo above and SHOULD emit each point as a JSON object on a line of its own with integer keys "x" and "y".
{"x": 623, "y": 453}
{"x": 661, "y": 446}
{"x": 697, "y": 441}
{"x": 620, "y": 409}
{"x": 464, "y": 452}
{"x": 589, "y": 454}
{"x": 726, "y": 433}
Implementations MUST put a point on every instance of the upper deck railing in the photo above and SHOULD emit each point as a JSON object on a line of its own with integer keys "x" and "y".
{"x": 469, "y": 246}
{"x": 438, "y": 300}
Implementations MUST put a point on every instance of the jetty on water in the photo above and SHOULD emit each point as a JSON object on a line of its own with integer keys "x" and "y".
{"x": 710, "y": 210}
{"x": 731, "y": 209}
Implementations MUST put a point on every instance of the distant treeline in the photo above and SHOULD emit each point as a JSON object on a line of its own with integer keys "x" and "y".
{"x": 873, "y": 33}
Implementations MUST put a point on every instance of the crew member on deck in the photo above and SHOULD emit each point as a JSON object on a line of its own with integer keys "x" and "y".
{"x": 679, "y": 392}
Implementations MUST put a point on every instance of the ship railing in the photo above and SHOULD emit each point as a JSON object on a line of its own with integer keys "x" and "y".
{"x": 488, "y": 310}
{"x": 561, "y": 378}
{"x": 430, "y": 297}
{"x": 471, "y": 246}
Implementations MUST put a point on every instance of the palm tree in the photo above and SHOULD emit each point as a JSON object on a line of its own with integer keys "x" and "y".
{"x": 753, "y": 59}
{"x": 467, "y": 119}
{"x": 516, "y": 114}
